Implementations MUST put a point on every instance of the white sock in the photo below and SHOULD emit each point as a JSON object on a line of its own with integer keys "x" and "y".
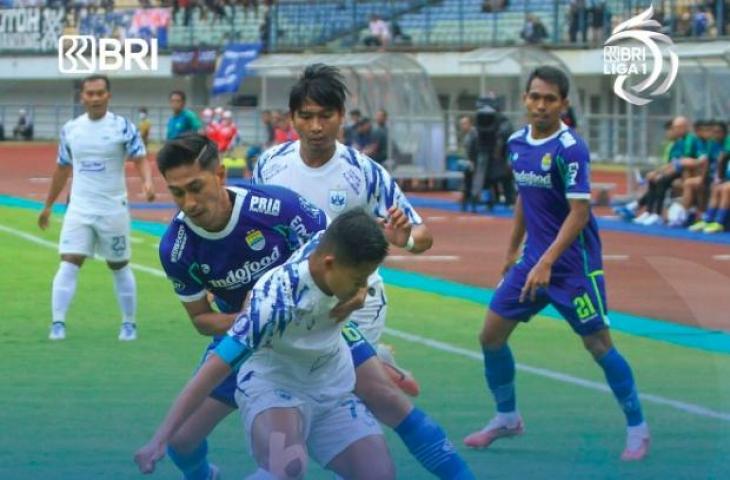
{"x": 509, "y": 418}
{"x": 641, "y": 429}
{"x": 126, "y": 289}
{"x": 64, "y": 287}
{"x": 262, "y": 474}
{"x": 632, "y": 205}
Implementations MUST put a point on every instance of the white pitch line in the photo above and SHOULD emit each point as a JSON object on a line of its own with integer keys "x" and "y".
{"x": 40, "y": 179}
{"x": 134, "y": 239}
{"x": 722, "y": 258}
{"x": 436, "y": 219}
{"x": 619, "y": 258}
{"x": 422, "y": 258}
{"x": 691, "y": 408}
{"x": 698, "y": 410}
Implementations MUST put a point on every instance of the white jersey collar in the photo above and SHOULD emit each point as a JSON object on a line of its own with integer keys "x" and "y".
{"x": 542, "y": 141}
{"x": 324, "y": 168}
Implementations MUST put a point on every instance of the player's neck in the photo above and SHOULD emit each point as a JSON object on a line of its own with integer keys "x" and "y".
{"x": 96, "y": 117}
{"x": 225, "y": 216}
{"x": 315, "y": 269}
{"x": 538, "y": 134}
{"x": 315, "y": 159}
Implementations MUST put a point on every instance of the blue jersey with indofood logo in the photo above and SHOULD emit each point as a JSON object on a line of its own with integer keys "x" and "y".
{"x": 549, "y": 172}
{"x": 267, "y": 224}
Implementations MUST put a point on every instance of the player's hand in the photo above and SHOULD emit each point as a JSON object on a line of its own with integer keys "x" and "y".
{"x": 147, "y": 456}
{"x": 345, "y": 308}
{"x": 539, "y": 277}
{"x": 148, "y": 190}
{"x": 397, "y": 227}
{"x": 43, "y": 218}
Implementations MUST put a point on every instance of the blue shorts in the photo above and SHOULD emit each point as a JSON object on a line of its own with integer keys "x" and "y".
{"x": 580, "y": 299}
{"x": 360, "y": 349}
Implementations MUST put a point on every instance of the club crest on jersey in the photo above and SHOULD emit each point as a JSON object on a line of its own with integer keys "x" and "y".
{"x": 337, "y": 200}
{"x": 255, "y": 239}
{"x": 267, "y": 206}
{"x": 546, "y": 162}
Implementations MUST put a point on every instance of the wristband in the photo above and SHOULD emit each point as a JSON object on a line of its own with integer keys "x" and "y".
{"x": 410, "y": 244}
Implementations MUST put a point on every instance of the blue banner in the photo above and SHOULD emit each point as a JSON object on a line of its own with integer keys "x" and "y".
{"x": 233, "y": 66}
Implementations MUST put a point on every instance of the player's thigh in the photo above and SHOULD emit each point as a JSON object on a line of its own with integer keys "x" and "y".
{"x": 347, "y": 438}
{"x": 112, "y": 232}
{"x": 380, "y": 394}
{"x": 506, "y": 310}
{"x": 370, "y": 319}
{"x": 77, "y": 237}
{"x": 199, "y": 425}
{"x": 581, "y": 300}
{"x": 278, "y": 441}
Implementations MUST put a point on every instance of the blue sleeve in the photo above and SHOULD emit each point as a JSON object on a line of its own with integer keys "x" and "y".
{"x": 384, "y": 192}
{"x": 576, "y": 171}
{"x": 64, "y": 150}
{"x": 304, "y": 218}
{"x": 133, "y": 144}
{"x": 183, "y": 275}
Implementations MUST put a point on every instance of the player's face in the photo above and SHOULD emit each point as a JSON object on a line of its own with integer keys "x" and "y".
{"x": 176, "y": 103}
{"x": 345, "y": 281}
{"x": 317, "y": 126}
{"x": 95, "y": 98}
{"x": 199, "y": 194}
{"x": 544, "y": 105}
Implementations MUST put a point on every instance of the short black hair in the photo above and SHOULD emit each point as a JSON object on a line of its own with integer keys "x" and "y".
{"x": 95, "y": 77}
{"x": 188, "y": 149}
{"x": 356, "y": 112}
{"x": 551, "y": 75}
{"x": 180, "y": 93}
{"x": 355, "y": 238}
{"x": 668, "y": 124}
{"x": 722, "y": 125}
{"x": 322, "y": 84}
{"x": 143, "y": 109}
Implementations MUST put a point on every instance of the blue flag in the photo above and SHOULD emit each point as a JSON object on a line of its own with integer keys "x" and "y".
{"x": 232, "y": 68}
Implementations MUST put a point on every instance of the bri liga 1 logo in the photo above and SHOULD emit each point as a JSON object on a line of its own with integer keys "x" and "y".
{"x": 635, "y": 50}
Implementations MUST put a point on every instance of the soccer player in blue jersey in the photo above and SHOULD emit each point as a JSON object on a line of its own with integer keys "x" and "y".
{"x": 559, "y": 264}
{"x": 220, "y": 243}
{"x": 296, "y": 373}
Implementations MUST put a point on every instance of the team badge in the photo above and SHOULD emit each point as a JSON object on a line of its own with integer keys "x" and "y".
{"x": 337, "y": 200}
{"x": 546, "y": 162}
{"x": 255, "y": 239}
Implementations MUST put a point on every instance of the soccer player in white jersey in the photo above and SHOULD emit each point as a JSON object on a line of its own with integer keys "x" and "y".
{"x": 337, "y": 178}
{"x": 296, "y": 376}
{"x": 94, "y": 146}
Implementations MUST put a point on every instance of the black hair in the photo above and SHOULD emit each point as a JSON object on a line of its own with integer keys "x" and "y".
{"x": 551, "y": 75}
{"x": 179, "y": 93}
{"x": 188, "y": 149}
{"x": 143, "y": 109}
{"x": 355, "y": 238}
{"x": 722, "y": 125}
{"x": 356, "y": 111}
{"x": 95, "y": 77}
{"x": 668, "y": 124}
{"x": 700, "y": 124}
{"x": 322, "y": 84}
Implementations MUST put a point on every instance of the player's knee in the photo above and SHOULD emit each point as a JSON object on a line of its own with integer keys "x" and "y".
{"x": 117, "y": 265}
{"x": 77, "y": 260}
{"x": 184, "y": 443}
{"x": 597, "y": 345}
{"x": 383, "y": 398}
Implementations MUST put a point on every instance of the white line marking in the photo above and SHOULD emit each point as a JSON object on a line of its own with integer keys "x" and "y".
{"x": 722, "y": 258}
{"x": 618, "y": 258}
{"x": 134, "y": 239}
{"x": 445, "y": 347}
{"x": 561, "y": 377}
{"x": 40, "y": 179}
{"x": 422, "y": 258}
{"x": 436, "y": 219}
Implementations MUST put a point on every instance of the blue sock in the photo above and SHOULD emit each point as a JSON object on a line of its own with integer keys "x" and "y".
{"x": 621, "y": 380}
{"x": 709, "y": 215}
{"x": 427, "y": 441}
{"x": 193, "y": 465}
{"x": 721, "y": 216}
{"x": 499, "y": 369}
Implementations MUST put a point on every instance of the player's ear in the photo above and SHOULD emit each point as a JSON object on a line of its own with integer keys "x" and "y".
{"x": 329, "y": 262}
{"x": 220, "y": 172}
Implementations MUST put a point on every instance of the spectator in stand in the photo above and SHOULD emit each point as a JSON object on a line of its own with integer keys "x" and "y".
{"x": 144, "y": 126}
{"x": 371, "y": 141}
{"x": 351, "y": 128}
{"x": 379, "y": 33}
{"x": 227, "y": 133}
{"x": 23, "y": 129}
{"x": 268, "y": 121}
{"x": 533, "y": 31}
{"x": 492, "y": 6}
{"x": 284, "y": 131}
{"x": 182, "y": 119}
{"x": 600, "y": 18}
{"x": 399, "y": 37}
{"x": 578, "y": 20}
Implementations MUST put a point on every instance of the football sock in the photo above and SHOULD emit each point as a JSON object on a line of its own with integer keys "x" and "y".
{"x": 721, "y": 216}
{"x": 499, "y": 370}
{"x": 621, "y": 380}
{"x": 193, "y": 465}
{"x": 64, "y": 287}
{"x": 126, "y": 290}
{"x": 427, "y": 442}
{"x": 709, "y": 215}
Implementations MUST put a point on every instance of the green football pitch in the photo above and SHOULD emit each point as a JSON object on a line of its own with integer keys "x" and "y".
{"x": 78, "y": 409}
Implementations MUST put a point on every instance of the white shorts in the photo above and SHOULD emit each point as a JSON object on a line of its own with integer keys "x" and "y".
{"x": 329, "y": 428}
{"x": 370, "y": 319}
{"x": 105, "y": 235}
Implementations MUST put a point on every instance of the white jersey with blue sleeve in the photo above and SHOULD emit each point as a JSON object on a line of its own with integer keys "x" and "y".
{"x": 97, "y": 149}
{"x": 285, "y": 335}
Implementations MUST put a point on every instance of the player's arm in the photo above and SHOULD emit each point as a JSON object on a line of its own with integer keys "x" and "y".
{"x": 516, "y": 237}
{"x": 207, "y": 321}
{"x": 59, "y": 179}
{"x": 213, "y": 371}
{"x": 137, "y": 154}
{"x": 145, "y": 172}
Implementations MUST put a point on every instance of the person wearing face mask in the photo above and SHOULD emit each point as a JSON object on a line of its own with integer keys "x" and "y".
{"x": 144, "y": 126}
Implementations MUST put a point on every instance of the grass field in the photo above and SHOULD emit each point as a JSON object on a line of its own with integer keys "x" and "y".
{"x": 78, "y": 409}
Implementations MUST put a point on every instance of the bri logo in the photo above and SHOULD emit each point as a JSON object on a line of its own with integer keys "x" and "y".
{"x": 532, "y": 179}
{"x": 247, "y": 272}
{"x": 267, "y": 206}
